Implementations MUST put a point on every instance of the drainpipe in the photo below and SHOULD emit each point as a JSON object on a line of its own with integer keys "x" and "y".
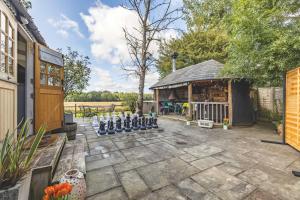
{"x": 174, "y": 57}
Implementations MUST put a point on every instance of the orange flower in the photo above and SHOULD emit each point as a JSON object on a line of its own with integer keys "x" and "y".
{"x": 46, "y": 197}
{"x": 49, "y": 190}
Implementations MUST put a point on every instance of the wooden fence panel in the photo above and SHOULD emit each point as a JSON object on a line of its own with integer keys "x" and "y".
{"x": 292, "y": 120}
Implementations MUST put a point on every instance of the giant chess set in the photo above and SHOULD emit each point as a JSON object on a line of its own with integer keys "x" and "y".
{"x": 112, "y": 124}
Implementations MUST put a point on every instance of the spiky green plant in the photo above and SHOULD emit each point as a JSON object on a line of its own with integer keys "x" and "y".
{"x": 14, "y": 160}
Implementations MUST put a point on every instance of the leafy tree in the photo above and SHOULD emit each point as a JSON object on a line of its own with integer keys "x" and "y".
{"x": 207, "y": 14}
{"x": 264, "y": 39}
{"x": 130, "y": 100}
{"x": 76, "y": 71}
{"x": 205, "y": 39}
{"x": 192, "y": 48}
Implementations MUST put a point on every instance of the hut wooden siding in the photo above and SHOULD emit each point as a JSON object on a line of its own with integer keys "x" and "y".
{"x": 292, "y": 108}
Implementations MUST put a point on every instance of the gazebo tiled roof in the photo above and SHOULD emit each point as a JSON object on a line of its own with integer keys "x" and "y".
{"x": 207, "y": 70}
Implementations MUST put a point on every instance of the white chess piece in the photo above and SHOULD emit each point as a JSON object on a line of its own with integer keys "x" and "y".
{"x": 95, "y": 122}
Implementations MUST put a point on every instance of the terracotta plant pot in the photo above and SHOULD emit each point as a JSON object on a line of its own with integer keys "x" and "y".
{"x": 76, "y": 179}
{"x": 70, "y": 129}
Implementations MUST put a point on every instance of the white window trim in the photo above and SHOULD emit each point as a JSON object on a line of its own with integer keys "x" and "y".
{"x": 11, "y": 18}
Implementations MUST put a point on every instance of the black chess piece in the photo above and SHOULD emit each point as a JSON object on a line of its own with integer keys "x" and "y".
{"x": 154, "y": 123}
{"x": 110, "y": 127}
{"x": 128, "y": 124}
{"x": 102, "y": 130}
{"x": 119, "y": 125}
{"x": 135, "y": 123}
{"x": 149, "y": 124}
{"x": 143, "y": 124}
{"x": 139, "y": 122}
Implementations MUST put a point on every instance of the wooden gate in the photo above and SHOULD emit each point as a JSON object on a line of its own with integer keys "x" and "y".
{"x": 292, "y": 116}
{"x": 49, "y": 95}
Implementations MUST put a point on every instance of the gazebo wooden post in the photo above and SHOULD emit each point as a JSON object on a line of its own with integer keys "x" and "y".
{"x": 157, "y": 100}
{"x": 230, "y": 101}
{"x": 190, "y": 99}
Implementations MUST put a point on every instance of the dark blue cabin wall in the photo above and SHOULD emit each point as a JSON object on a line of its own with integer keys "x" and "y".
{"x": 242, "y": 109}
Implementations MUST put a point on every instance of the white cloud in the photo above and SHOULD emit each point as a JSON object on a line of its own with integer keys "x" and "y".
{"x": 105, "y": 80}
{"x": 64, "y": 25}
{"x": 106, "y": 24}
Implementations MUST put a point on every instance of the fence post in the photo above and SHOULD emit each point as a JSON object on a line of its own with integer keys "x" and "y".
{"x": 75, "y": 109}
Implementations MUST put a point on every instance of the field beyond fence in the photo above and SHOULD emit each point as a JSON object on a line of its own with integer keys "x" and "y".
{"x": 95, "y": 107}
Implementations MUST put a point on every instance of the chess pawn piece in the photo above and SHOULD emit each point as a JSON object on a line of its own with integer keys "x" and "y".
{"x": 135, "y": 123}
{"x": 95, "y": 121}
{"x": 102, "y": 130}
{"x": 154, "y": 121}
{"x": 149, "y": 125}
{"x": 143, "y": 124}
{"x": 128, "y": 124}
{"x": 110, "y": 128}
{"x": 119, "y": 125}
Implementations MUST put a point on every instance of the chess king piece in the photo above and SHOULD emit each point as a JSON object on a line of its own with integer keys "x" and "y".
{"x": 119, "y": 125}
{"x": 110, "y": 128}
{"x": 128, "y": 124}
{"x": 143, "y": 124}
{"x": 102, "y": 130}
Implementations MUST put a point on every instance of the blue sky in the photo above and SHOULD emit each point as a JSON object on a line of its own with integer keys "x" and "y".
{"x": 94, "y": 28}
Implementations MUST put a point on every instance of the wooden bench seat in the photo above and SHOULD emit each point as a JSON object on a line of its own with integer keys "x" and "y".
{"x": 72, "y": 157}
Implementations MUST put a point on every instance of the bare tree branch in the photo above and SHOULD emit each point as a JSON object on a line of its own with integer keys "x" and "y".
{"x": 155, "y": 17}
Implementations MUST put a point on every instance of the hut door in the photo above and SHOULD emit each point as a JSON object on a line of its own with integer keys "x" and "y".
{"x": 49, "y": 95}
{"x": 292, "y": 121}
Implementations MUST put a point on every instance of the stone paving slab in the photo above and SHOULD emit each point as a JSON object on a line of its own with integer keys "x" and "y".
{"x": 229, "y": 168}
{"x": 142, "y": 153}
{"x": 133, "y": 184}
{"x": 206, "y": 162}
{"x": 111, "y": 158}
{"x": 113, "y": 194}
{"x": 101, "y": 180}
{"x": 261, "y": 195}
{"x": 102, "y": 147}
{"x": 127, "y": 144}
{"x": 188, "y": 157}
{"x": 129, "y": 165}
{"x": 274, "y": 181}
{"x": 223, "y": 185}
{"x": 166, "y": 172}
{"x": 203, "y": 150}
{"x": 166, "y": 193}
{"x": 194, "y": 191}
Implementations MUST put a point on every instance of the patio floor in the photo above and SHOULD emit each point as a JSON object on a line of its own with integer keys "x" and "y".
{"x": 186, "y": 162}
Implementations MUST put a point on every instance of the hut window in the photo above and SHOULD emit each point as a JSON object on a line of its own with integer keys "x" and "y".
{"x": 50, "y": 74}
{"x": 7, "y": 39}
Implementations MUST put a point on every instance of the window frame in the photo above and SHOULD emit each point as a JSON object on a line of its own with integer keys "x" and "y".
{"x": 10, "y": 71}
{"x": 51, "y": 75}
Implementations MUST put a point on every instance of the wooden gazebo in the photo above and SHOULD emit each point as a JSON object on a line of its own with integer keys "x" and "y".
{"x": 209, "y": 95}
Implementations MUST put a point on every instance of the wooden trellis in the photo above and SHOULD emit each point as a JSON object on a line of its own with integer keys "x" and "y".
{"x": 292, "y": 116}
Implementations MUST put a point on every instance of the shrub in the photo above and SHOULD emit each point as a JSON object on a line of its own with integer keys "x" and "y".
{"x": 14, "y": 160}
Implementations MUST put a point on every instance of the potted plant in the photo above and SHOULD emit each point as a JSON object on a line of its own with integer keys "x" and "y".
{"x": 15, "y": 162}
{"x": 59, "y": 191}
{"x": 225, "y": 123}
{"x": 188, "y": 120}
